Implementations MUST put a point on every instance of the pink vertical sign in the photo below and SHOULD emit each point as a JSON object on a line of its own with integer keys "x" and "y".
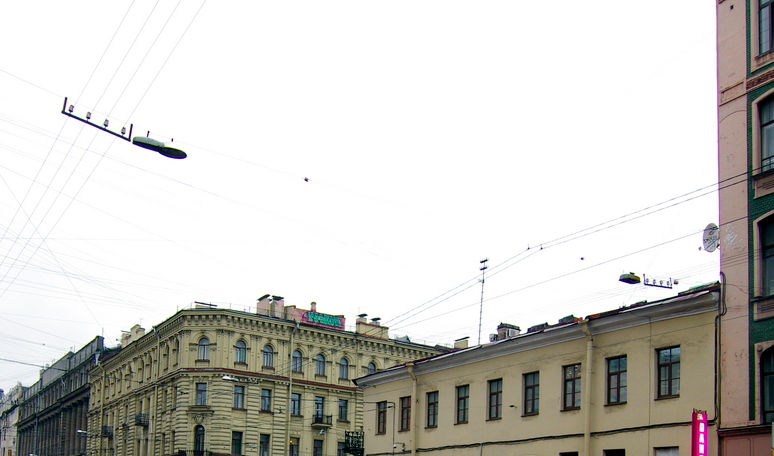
{"x": 699, "y": 434}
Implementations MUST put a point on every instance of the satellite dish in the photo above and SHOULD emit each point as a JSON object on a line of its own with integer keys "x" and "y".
{"x": 711, "y": 237}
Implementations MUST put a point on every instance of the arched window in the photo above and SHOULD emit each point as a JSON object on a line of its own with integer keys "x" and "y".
{"x": 240, "y": 352}
{"x": 295, "y": 362}
{"x": 371, "y": 368}
{"x": 268, "y": 356}
{"x": 199, "y": 438}
{"x": 767, "y": 385}
{"x": 176, "y": 352}
{"x": 319, "y": 365}
{"x": 166, "y": 356}
{"x": 343, "y": 368}
{"x": 204, "y": 349}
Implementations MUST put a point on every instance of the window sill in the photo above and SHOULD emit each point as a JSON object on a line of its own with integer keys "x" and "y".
{"x": 240, "y": 363}
{"x": 403, "y": 430}
{"x": 266, "y": 411}
{"x": 461, "y": 422}
{"x": 319, "y": 376}
{"x": 431, "y": 427}
{"x": 570, "y": 409}
{"x": 530, "y": 414}
{"x": 296, "y": 416}
{"x": 267, "y": 368}
{"x": 763, "y": 183}
{"x": 613, "y": 404}
{"x": 241, "y": 409}
{"x": 662, "y": 398}
{"x": 498, "y": 418}
{"x": 763, "y": 307}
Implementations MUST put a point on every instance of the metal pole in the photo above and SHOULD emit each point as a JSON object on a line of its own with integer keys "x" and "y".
{"x": 481, "y": 307}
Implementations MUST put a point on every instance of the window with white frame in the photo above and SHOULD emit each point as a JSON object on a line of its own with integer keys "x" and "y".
{"x": 240, "y": 352}
{"x": 203, "y": 352}
{"x": 319, "y": 364}
{"x": 296, "y": 364}
{"x": 268, "y": 356}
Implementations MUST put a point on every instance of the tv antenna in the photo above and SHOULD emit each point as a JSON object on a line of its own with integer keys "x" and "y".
{"x": 481, "y": 307}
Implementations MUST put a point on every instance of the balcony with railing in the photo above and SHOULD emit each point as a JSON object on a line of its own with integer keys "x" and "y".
{"x": 107, "y": 431}
{"x": 322, "y": 421}
{"x": 353, "y": 442}
{"x": 141, "y": 419}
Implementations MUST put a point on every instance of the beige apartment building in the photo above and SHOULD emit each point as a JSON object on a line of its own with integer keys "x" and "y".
{"x": 558, "y": 390}
{"x": 745, "y": 47}
{"x": 210, "y": 381}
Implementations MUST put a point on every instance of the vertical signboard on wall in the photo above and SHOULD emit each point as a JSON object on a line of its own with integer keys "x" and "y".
{"x": 699, "y": 433}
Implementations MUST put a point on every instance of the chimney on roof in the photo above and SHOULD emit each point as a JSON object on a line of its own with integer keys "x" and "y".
{"x": 461, "y": 343}
{"x": 313, "y": 305}
{"x": 263, "y": 306}
{"x": 372, "y": 328}
{"x": 506, "y": 331}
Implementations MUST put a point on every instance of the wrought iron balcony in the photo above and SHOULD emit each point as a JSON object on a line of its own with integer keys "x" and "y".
{"x": 107, "y": 431}
{"x": 322, "y": 421}
{"x": 141, "y": 419}
{"x": 353, "y": 442}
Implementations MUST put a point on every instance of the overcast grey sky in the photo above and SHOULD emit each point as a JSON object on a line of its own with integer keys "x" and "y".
{"x": 433, "y": 134}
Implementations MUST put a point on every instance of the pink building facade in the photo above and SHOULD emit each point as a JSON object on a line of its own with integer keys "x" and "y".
{"x": 746, "y": 180}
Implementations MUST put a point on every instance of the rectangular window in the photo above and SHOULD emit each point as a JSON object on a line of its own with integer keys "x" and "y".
{"x": 667, "y": 451}
{"x": 764, "y": 26}
{"x": 568, "y": 453}
{"x": 432, "y": 409}
{"x": 495, "y": 399}
{"x": 239, "y": 397}
{"x": 572, "y": 387}
{"x": 293, "y": 446}
{"x": 295, "y": 404}
{"x": 767, "y": 237}
{"x": 767, "y": 385}
{"x": 463, "y": 393}
{"x": 343, "y": 410}
{"x": 381, "y": 417}
{"x": 201, "y": 394}
{"x": 236, "y": 442}
{"x": 266, "y": 400}
{"x": 616, "y": 380}
{"x": 532, "y": 393}
{"x": 668, "y": 372}
{"x": 319, "y": 407}
{"x": 614, "y": 453}
{"x": 317, "y": 447}
{"x": 340, "y": 449}
{"x": 263, "y": 445}
{"x": 405, "y": 413}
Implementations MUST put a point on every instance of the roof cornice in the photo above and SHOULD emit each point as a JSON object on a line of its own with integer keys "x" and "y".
{"x": 675, "y": 307}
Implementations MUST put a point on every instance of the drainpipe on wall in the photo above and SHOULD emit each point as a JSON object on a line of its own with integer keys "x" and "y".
{"x": 156, "y": 390}
{"x": 415, "y": 399}
{"x": 101, "y": 404}
{"x": 290, "y": 389}
{"x": 586, "y": 388}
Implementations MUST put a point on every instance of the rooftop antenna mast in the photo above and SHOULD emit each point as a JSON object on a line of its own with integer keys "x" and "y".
{"x": 481, "y": 307}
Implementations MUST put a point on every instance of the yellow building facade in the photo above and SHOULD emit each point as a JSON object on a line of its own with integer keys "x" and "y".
{"x": 211, "y": 381}
{"x": 624, "y": 382}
